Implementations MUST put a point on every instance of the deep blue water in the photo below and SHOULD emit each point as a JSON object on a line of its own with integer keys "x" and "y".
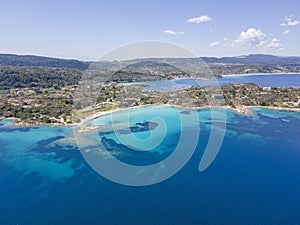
{"x": 269, "y": 80}
{"x": 255, "y": 178}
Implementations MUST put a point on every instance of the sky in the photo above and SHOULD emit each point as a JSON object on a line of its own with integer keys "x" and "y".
{"x": 89, "y": 29}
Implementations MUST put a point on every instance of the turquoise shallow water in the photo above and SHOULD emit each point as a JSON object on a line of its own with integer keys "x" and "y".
{"x": 255, "y": 178}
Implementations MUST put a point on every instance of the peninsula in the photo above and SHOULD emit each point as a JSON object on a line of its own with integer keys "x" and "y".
{"x": 38, "y": 90}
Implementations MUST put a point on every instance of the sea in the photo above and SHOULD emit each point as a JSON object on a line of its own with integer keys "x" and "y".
{"x": 254, "y": 179}
{"x": 266, "y": 80}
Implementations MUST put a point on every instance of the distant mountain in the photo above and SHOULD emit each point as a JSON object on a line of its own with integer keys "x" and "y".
{"x": 32, "y": 60}
{"x": 254, "y": 59}
{"x": 255, "y": 63}
{"x": 20, "y": 71}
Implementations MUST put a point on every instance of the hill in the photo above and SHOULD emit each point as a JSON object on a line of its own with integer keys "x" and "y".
{"x": 20, "y": 71}
{"x": 32, "y": 60}
{"x": 254, "y": 59}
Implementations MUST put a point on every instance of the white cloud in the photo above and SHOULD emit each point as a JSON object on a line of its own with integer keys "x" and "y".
{"x": 286, "y": 32}
{"x": 215, "y": 43}
{"x": 199, "y": 19}
{"x": 257, "y": 38}
{"x": 274, "y": 44}
{"x": 173, "y": 32}
{"x": 251, "y": 37}
{"x": 225, "y": 39}
{"x": 289, "y": 21}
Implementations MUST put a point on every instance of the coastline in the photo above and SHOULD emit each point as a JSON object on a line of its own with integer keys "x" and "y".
{"x": 99, "y": 114}
{"x": 17, "y": 123}
{"x": 256, "y": 74}
{"x": 245, "y": 110}
{"x": 277, "y": 108}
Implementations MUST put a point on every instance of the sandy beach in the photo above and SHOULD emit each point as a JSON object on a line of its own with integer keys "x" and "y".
{"x": 247, "y": 110}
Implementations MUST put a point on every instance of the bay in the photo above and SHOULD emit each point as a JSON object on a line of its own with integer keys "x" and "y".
{"x": 255, "y": 178}
{"x": 268, "y": 80}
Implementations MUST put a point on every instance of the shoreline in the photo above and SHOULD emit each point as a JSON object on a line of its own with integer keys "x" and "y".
{"x": 100, "y": 114}
{"x": 278, "y": 108}
{"x": 245, "y": 110}
{"x": 240, "y": 109}
{"x": 257, "y": 74}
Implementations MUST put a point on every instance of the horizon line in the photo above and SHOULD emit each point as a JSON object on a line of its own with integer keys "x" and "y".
{"x": 95, "y": 60}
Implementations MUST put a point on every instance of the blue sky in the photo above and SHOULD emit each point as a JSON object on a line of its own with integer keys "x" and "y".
{"x": 88, "y": 29}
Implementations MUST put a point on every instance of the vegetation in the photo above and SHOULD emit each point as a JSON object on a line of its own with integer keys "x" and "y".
{"x": 254, "y": 95}
{"x": 37, "y": 106}
{"x": 49, "y": 105}
{"x": 37, "y": 77}
{"x": 31, "y": 60}
{"x": 40, "y": 90}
